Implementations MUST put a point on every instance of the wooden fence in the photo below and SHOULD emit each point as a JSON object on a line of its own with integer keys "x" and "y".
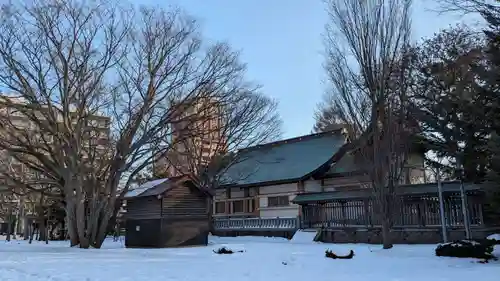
{"x": 255, "y": 224}
{"x": 350, "y": 216}
{"x": 409, "y": 211}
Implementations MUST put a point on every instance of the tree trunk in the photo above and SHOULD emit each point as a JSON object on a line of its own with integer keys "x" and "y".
{"x": 103, "y": 226}
{"x": 210, "y": 215}
{"x": 386, "y": 213}
{"x": 80, "y": 225}
{"x": 386, "y": 234}
{"x": 26, "y": 227}
{"x": 41, "y": 231}
{"x": 42, "y": 225}
{"x": 94, "y": 222}
{"x": 14, "y": 226}
{"x": 70, "y": 210}
{"x": 72, "y": 232}
{"x": 32, "y": 234}
{"x": 47, "y": 226}
{"x": 9, "y": 224}
{"x": 20, "y": 217}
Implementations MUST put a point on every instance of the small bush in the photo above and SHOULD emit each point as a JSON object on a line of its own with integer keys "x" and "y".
{"x": 466, "y": 249}
{"x": 494, "y": 238}
{"x": 226, "y": 251}
{"x": 332, "y": 255}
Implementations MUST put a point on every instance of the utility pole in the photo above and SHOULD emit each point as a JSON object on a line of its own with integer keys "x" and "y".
{"x": 441, "y": 206}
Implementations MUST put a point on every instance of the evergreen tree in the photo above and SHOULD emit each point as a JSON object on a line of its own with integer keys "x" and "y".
{"x": 491, "y": 75}
{"x": 453, "y": 113}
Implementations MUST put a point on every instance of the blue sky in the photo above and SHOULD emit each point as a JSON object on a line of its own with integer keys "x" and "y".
{"x": 280, "y": 40}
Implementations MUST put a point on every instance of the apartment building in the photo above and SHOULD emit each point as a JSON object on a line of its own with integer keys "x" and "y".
{"x": 96, "y": 135}
{"x": 196, "y": 137}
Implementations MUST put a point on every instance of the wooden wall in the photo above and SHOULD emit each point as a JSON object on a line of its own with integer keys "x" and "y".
{"x": 186, "y": 219}
{"x": 142, "y": 233}
{"x": 143, "y": 208}
{"x": 185, "y": 232}
{"x": 185, "y": 200}
{"x": 180, "y": 218}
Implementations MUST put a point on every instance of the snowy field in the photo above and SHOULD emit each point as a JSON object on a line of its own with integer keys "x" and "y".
{"x": 264, "y": 259}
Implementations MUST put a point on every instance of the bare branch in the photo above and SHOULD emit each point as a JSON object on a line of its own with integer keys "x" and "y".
{"x": 367, "y": 44}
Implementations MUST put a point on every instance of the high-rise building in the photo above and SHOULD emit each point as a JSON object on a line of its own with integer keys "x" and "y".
{"x": 95, "y": 133}
{"x": 197, "y": 135}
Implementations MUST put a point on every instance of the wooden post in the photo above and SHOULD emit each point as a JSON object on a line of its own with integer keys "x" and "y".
{"x": 465, "y": 209}
{"x": 368, "y": 220}
{"x": 300, "y": 187}
{"x": 227, "y": 203}
{"x": 442, "y": 215}
{"x": 256, "y": 209}
{"x": 344, "y": 213}
{"x": 161, "y": 220}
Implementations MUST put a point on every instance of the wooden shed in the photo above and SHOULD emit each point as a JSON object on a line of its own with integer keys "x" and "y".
{"x": 168, "y": 212}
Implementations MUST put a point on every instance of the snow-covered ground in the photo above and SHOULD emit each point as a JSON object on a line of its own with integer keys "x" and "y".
{"x": 264, "y": 259}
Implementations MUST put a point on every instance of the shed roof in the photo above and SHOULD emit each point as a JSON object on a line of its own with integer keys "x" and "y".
{"x": 286, "y": 160}
{"x": 145, "y": 188}
{"x": 159, "y": 186}
{"x": 413, "y": 189}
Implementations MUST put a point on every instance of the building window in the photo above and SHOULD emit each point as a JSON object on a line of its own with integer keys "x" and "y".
{"x": 238, "y": 206}
{"x": 278, "y": 201}
{"x": 220, "y": 207}
{"x": 205, "y": 150}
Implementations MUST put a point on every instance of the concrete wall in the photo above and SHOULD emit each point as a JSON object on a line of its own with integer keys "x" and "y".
{"x": 289, "y": 190}
{"x": 399, "y": 236}
{"x": 373, "y": 235}
{"x": 313, "y": 186}
{"x": 341, "y": 183}
{"x": 230, "y": 233}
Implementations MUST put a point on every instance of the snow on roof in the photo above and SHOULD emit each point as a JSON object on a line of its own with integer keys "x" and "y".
{"x": 144, "y": 187}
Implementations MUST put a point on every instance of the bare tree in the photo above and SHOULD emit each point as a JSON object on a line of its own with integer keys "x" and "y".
{"x": 366, "y": 59}
{"x": 70, "y": 62}
{"x": 467, "y": 6}
{"x": 209, "y": 145}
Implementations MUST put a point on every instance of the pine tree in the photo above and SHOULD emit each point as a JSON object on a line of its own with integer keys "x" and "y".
{"x": 491, "y": 75}
{"x": 447, "y": 102}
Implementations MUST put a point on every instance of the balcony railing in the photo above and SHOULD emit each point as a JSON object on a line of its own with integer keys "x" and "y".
{"x": 255, "y": 224}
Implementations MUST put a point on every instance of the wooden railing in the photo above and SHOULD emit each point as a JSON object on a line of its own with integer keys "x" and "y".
{"x": 255, "y": 224}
